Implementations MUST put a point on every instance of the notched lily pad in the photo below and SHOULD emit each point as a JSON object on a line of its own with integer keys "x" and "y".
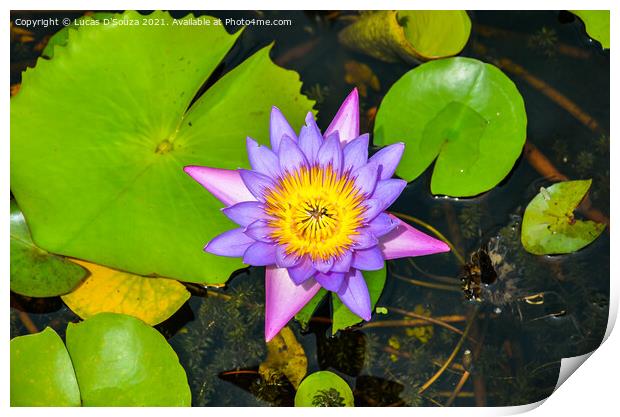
{"x": 101, "y": 132}
{"x": 42, "y": 373}
{"x": 409, "y": 35}
{"x": 342, "y": 317}
{"x": 34, "y": 271}
{"x": 597, "y": 24}
{"x": 324, "y": 389}
{"x": 463, "y": 113}
{"x": 549, "y": 224}
{"x": 107, "y": 290}
{"x": 121, "y": 361}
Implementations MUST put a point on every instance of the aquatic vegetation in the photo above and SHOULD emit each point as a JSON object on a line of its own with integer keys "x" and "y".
{"x": 454, "y": 115}
{"x": 312, "y": 211}
{"x": 110, "y": 359}
{"x": 115, "y": 125}
{"x": 285, "y": 356}
{"x": 409, "y": 35}
{"x": 549, "y": 224}
{"x": 597, "y": 24}
{"x": 361, "y": 76}
{"x": 34, "y": 271}
{"x": 324, "y": 389}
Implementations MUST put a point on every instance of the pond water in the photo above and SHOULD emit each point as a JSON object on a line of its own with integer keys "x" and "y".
{"x": 539, "y": 310}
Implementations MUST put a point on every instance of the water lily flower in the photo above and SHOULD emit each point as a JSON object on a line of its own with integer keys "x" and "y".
{"x": 312, "y": 211}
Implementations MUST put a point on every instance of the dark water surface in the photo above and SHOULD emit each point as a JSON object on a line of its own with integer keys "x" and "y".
{"x": 539, "y": 310}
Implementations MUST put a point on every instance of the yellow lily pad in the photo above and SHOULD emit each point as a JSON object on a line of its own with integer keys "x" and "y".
{"x": 285, "y": 356}
{"x": 152, "y": 300}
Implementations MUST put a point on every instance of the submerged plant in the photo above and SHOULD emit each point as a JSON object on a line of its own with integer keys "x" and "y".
{"x": 311, "y": 210}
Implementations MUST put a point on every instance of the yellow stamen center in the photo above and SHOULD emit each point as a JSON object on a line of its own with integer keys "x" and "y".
{"x": 315, "y": 211}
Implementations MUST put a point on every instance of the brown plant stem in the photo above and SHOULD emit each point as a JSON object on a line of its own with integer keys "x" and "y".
{"x": 440, "y": 278}
{"x": 425, "y": 318}
{"x": 410, "y": 323}
{"x": 453, "y": 288}
{"x": 27, "y": 322}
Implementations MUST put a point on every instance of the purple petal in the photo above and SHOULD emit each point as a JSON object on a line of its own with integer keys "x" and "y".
{"x": 347, "y": 120}
{"x": 284, "y": 299}
{"x": 291, "y": 157}
{"x": 388, "y": 191}
{"x": 356, "y": 153}
{"x": 257, "y": 183}
{"x": 323, "y": 266}
{"x": 226, "y": 185}
{"x": 388, "y": 159}
{"x": 284, "y": 260}
{"x": 332, "y": 281}
{"x": 370, "y": 259}
{"x": 302, "y": 271}
{"x": 354, "y": 294}
{"x": 279, "y": 127}
{"x": 260, "y": 254}
{"x": 405, "y": 241}
{"x": 330, "y": 153}
{"x": 259, "y": 230}
{"x": 245, "y": 212}
{"x": 343, "y": 264}
{"x": 366, "y": 178}
{"x": 231, "y": 243}
{"x": 364, "y": 239}
{"x": 382, "y": 225}
{"x": 310, "y": 138}
{"x": 262, "y": 159}
{"x": 374, "y": 207}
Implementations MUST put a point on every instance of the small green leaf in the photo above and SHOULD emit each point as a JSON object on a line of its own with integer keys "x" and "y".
{"x": 342, "y": 317}
{"x": 597, "y": 24}
{"x": 35, "y": 272}
{"x": 305, "y": 314}
{"x": 41, "y": 372}
{"x": 466, "y": 114}
{"x": 549, "y": 225}
{"x": 324, "y": 389}
{"x": 121, "y": 361}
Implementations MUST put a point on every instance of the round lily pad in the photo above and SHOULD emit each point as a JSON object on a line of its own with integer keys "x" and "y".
{"x": 34, "y": 271}
{"x": 463, "y": 113}
{"x": 324, "y": 389}
{"x": 597, "y": 24}
{"x": 101, "y": 132}
{"x": 121, "y": 361}
{"x": 549, "y": 225}
{"x": 107, "y": 290}
{"x": 41, "y": 372}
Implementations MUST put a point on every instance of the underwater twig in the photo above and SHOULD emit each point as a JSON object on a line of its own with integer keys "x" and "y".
{"x": 298, "y": 51}
{"x": 456, "y": 350}
{"x": 458, "y": 388}
{"x": 425, "y": 318}
{"x": 441, "y": 278}
{"x": 410, "y": 323}
{"x": 453, "y": 227}
{"x": 545, "y": 167}
{"x": 432, "y": 230}
{"x": 454, "y": 288}
{"x": 240, "y": 372}
{"x": 27, "y": 322}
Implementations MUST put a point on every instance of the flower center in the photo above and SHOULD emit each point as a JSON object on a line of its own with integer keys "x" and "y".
{"x": 315, "y": 211}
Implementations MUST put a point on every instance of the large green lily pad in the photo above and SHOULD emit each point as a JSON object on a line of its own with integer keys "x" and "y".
{"x": 342, "y": 317}
{"x": 597, "y": 24}
{"x": 34, "y": 271}
{"x": 41, "y": 372}
{"x": 324, "y": 389}
{"x": 549, "y": 225}
{"x": 100, "y": 134}
{"x": 463, "y": 113}
{"x": 121, "y": 361}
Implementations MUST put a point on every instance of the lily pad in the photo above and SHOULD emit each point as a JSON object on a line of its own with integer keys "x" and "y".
{"x": 463, "y": 113}
{"x": 285, "y": 356}
{"x": 549, "y": 225}
{"x": 101, "y": 132}
{"x": 324, "y": 389}
{"x": 305, "y": 314}
{"x": 597, "y": 24}
{"x": 41, "y": 372}
{"x": 34, "y": 271}
{"x": 409, "y": 35}
{"x": 107, "y": 290}
{"x": 121, "y": 361}
{"x": 342, "y": 317}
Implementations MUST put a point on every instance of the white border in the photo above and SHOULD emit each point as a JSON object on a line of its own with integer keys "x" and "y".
{"x": 591, "y": 391}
